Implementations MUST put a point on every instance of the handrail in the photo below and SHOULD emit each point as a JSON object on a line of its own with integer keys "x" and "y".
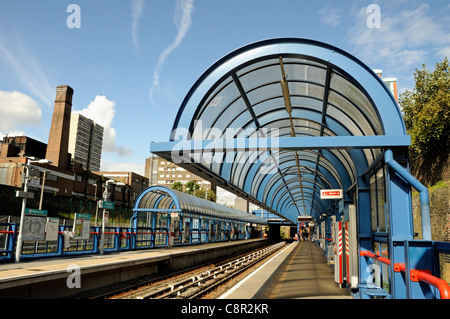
{"x": 441, "y": 285}
{"x": 415, "y": 275}
{"x": 426, "y": 276}
{"x": 384, "y": 260}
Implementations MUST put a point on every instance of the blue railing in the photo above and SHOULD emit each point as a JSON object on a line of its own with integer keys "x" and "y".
{"x": 115, "y": 239}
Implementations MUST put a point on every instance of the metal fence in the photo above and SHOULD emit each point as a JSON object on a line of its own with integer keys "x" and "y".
{"x": 115, "y": 239}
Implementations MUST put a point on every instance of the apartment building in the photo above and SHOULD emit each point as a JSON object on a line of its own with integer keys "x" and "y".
{"x": 85, "y": 142}
{"x": 162, "y": 172}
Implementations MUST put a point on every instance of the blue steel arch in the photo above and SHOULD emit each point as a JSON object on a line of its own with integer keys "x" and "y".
{"x": 330, "y": 94}
{"x": 366, "y": 79}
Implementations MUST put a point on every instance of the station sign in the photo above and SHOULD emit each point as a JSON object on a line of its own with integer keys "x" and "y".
{"x": 331, "y": 194}
{"x": 37, "y": 212}
{"x": 105, "y": 204}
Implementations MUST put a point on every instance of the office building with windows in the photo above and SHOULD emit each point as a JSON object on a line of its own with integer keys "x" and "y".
{"x": 164, "y": 173}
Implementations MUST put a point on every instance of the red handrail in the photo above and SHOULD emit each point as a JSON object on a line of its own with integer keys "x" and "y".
{"x": 415, "y": 274}
{"x": 376, "y": 257}
{"x": 426, "y": 276}
{"x": 421, "y": 275}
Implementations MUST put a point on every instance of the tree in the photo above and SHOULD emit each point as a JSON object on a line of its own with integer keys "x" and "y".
{"x": 177, "y": 186}
{"x": 210, "y": 195}
{"x": 199, "y": 191}
{"x": 192, "y": 187}
{"x": 427, "y": 109}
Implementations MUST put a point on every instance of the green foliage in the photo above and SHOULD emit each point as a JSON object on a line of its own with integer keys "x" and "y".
{"x": 177, "y": 186}
{"x": 427, "y": 109}
{"x": 193, "y": 188}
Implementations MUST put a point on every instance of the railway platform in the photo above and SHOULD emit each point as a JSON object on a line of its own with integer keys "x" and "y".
{"x": 65, "y": 277}
{"x": 299, "y": 271}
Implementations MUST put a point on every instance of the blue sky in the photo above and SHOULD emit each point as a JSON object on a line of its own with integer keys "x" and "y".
{"x": 131, "y": 62}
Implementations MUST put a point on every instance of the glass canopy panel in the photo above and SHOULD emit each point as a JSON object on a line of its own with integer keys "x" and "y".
{"x": 225, "y": 108}
{"x": 266, "y": 92}
{"x": 353, "y": 113}
{"x": 220, "y": 97}
{"x": 358, "y": 98}
{"x": 305, "y": 89}
{"x": 226, "y": 102}
{"x": 226, "y": 118}
{"x": 349, "y": 123}
{"x": 263, "y": 162}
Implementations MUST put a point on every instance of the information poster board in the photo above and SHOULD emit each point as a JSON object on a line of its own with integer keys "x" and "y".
{"x": 34, "y": 224}
{"x": 51, "y": 231}
{"x": 81, "y": 226}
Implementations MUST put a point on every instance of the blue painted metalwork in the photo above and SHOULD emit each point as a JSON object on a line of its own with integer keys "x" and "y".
{"x": 424, "y": 199}
{"x": 323, "y": 120}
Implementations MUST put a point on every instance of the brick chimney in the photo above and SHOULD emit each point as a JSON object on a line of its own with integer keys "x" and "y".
{"x": 58, "y": 140}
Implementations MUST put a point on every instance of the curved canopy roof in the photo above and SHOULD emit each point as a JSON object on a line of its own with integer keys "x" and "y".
{"x": 160, "y": 198}
{"x": 303, "y": 99}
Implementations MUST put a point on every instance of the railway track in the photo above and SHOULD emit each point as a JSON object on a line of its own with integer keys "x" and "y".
{"x": 196, "y": 283}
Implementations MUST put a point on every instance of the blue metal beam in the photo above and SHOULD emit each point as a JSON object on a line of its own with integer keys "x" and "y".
{"x": 281, "y": 143}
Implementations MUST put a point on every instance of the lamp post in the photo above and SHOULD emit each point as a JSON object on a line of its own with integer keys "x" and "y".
{"x": 24, "y": 204}
{"x": 42, "y": 189}
{"x": 105, "y": 198}
{"x": 96, "y": 208}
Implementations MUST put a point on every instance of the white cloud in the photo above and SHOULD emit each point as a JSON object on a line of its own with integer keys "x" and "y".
{"x": 28, "y": 68}
{"x": 182, "y": 21}
{"x": 137, "y": 8}
{"x": 17, "y": 109}
{"x": 444, "y": 52}
{"x": 404, "y": 38}
{"x": 102, "y": 111}
{"x": 331, "y": 16}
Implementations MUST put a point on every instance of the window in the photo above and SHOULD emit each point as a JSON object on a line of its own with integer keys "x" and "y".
{"x": 378, "y": 207}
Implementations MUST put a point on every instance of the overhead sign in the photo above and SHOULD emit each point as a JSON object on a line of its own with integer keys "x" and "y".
{"x": 304, "y": 218}
{"x": 331, "y": 194}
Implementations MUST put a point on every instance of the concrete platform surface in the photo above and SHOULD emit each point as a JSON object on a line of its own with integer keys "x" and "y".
{"x": 49, "y": 278}
{"x": 300, "y": 271}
